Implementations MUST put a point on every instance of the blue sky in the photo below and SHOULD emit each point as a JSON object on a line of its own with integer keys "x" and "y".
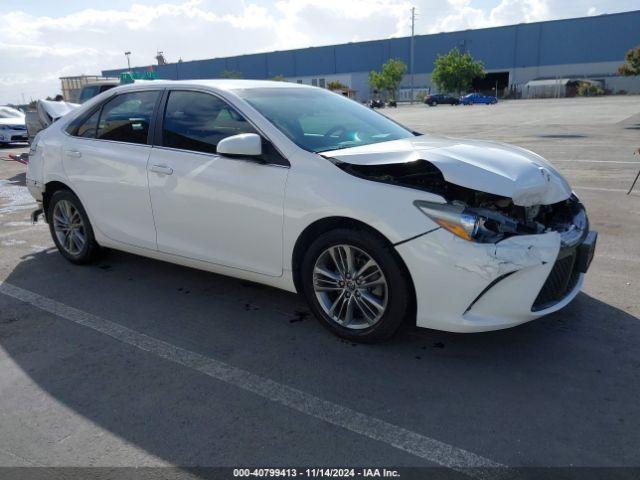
{"x": 43, "y": 40}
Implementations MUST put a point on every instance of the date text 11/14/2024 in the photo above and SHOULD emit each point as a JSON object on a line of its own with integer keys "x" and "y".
{"x": 315, "y": 473}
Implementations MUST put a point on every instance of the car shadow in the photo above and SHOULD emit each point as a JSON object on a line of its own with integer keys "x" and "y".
{"x": 19, "y": 179}
{"x": 567, "y": 374}
{"x": 13, "y": 146}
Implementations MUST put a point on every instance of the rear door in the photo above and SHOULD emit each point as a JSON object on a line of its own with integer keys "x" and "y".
{"x": 227, "y": 211}
{"x": 105, "y": 158}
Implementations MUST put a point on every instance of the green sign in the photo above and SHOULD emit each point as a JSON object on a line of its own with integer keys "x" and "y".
{"x": 130, "y": 77}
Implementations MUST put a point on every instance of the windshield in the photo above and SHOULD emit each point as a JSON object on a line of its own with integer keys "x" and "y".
{"x": 318, "y": 120}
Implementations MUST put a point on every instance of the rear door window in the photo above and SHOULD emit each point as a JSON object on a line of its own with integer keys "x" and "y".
{"x": 126, "y": 118}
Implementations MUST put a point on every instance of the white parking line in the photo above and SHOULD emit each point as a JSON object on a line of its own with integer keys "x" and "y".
{"x": 621, "y": 162}
{"x": 414, "y": 443}
{"x": 601, "y": 189}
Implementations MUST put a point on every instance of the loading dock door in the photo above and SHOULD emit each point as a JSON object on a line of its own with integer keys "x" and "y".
{"x": 487, "y": 84}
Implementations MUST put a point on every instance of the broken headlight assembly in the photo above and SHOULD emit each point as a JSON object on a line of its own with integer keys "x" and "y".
{"x": 479, "y": 225}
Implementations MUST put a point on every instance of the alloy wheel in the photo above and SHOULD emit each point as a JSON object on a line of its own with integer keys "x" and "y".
{"x": 69, "y": 227}
{"x": 350, "y": 286}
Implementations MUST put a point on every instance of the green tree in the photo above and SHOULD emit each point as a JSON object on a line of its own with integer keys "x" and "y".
{"x": 277, "y": 78}
{"x": 388, "y": 79}
{"x": 376, "y": 82}
{"x": 455, "y": 71}
{"x": 632, "y": 65}
{"x": 230, "y": 74}
{"x": 586, "y": 89}
{"x": 336, "y": 85}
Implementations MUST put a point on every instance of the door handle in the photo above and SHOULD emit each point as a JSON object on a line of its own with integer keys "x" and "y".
{"x": 162, "y": 169}
{"x": 74, "y": 153}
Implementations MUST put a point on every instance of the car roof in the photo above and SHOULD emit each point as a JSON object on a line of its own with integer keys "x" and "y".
{"x": 101, "y": 82}
{"x": 218, "y": 84}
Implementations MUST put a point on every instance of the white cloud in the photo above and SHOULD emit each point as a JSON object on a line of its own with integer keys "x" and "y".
{"x": 516, "y": 11}
{"x": 463, "y": 15}
{"x": 37, "y": 48}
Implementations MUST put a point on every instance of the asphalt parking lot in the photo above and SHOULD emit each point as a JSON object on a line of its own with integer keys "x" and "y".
{"x": 135, "y": 362}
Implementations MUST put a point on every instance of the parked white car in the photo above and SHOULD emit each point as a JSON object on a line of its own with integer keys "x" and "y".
{"x": 302, "y": 189}
{"x": 12, "y": 125}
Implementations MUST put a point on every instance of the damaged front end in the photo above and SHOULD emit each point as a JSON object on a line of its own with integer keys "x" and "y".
{"x": 474, "y": 215}
{"x": 507, "y": 237}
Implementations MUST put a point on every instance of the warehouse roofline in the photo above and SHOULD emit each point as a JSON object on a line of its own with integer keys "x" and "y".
{"x": 375, "y": 40}
{"x": 513, "y": 54}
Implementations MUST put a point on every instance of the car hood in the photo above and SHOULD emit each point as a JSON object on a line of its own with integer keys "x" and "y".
{"x": 491, "y": 167}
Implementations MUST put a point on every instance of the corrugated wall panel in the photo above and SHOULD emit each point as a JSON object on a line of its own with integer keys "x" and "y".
{"x": 604, "y": 38}
{"x": 427, "y": 48}
{"x": 252, "y": 66}
{"x": 589, "y": 40}
{"x": 400, "y": 48}
{"x": 168, "y": 72}
{"x": 493, "y": 46}
{"x": 315, "y": 60}
{"x": 361, "y": 56}
{"x": 281, "y": 63}
{"x": 527, "y": 46}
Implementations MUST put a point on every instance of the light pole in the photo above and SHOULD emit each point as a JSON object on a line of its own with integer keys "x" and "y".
{"x": 126, "y": 54}
{"x": 413, "y": 31}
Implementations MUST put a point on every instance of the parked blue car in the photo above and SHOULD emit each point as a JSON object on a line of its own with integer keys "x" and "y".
{"x": 472, "y": 98}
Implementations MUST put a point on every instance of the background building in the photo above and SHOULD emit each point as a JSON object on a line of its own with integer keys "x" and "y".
{"x": 591, "y": 47}
{"x": 72, "y": 86}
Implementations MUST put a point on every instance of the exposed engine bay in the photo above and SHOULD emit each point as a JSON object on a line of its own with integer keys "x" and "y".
{"x": 489, "y": 217}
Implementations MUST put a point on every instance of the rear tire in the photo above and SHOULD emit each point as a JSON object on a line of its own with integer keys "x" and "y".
{"x": 359, "y": 303}
{"x": 70, "y": 228}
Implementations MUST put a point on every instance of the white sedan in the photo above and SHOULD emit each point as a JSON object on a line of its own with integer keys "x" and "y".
{"x": 302, "y": 189}
{"x": 12, "y": 125}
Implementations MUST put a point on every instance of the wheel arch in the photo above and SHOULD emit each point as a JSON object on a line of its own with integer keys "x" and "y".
{"x": 49, "y": 189}
{"x": 311, "y": 232}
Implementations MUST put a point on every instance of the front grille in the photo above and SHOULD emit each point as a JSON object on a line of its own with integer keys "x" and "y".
{"x": 17, "y": 138}
{"x": 562, "y": 279}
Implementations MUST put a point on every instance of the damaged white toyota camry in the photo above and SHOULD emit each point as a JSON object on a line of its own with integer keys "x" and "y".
{"x": 305, "y": 190}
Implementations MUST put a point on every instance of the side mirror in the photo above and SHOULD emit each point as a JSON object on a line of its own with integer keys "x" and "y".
{"x": 242, "y": 145}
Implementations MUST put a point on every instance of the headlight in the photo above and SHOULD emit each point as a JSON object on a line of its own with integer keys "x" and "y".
{"x": 452, "y": 218}
{"x": 4, "y": 127}
{"x": 481, "y": 225}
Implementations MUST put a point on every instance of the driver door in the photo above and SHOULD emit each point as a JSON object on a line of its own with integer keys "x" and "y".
{"x": 208, "y": 207}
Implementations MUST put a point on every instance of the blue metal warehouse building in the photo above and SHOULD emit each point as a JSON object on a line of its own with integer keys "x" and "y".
{"x": 591, "y": 47}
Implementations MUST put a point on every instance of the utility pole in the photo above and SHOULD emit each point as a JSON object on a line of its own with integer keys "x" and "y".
{"x": 126, "y": 54}
{"x": 413, "y": 31}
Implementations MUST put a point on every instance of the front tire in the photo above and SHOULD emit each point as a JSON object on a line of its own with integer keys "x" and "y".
{"x": 355, "y": 285}
{"x": 70, "y": 228}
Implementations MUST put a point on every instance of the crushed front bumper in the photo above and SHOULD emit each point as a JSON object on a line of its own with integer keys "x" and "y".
{"x": 463, "y": 286}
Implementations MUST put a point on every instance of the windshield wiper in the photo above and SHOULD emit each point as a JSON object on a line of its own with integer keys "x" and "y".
{"x": 338, "y": 147}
